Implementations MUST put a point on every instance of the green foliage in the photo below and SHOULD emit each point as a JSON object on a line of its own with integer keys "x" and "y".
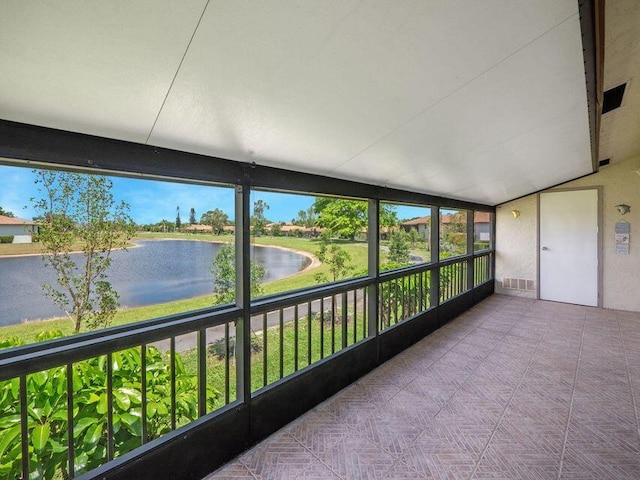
{"x": 414, "y": 237}
{"x": 192, "y": 216}
{"x": 224, "y": 272}
{"x": 481, "y": 245}
{"x": 347, "y": 218}
{"x": 399, "y": 247}
{"x": 47, "y": 411}
{"x": 453, "y": 236}
{"x": 48, "y": 335}
{"x": 79, "y": 208}
{"x": 6, "y": 238}
{"x": 178, "y": 221}
{"x": 8, "y": 342}
{"x": 6, "y": 213}
{"x": 306, "y": 218}
{"x": 336, "y": 258}
{"x": 344, "y": 218}
{"x": 258, "y": 219}
{"x": 217, "y": 219}
{"x": 275, "y": 230}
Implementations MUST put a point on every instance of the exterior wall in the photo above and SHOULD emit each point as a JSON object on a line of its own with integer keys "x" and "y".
{"x": 516, "y": 244}
{"x": 481, "y": 231}
{"x": 15, "y": 230}
{"x": 516, "y": 238}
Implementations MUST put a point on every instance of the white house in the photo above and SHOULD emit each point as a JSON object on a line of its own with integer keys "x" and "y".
{"x": 21, "y": 230}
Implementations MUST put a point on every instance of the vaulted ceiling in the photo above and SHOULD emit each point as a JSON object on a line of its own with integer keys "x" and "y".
{"x": 480, "y": 101}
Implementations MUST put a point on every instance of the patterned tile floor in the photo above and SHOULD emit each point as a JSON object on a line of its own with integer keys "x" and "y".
{"x": 513, "y": 388}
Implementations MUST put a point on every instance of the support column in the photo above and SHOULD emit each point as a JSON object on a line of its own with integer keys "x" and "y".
{"x": 243, "y": 292}
{"x": 373, "y": 239}
{"x": 470, "y": 249}
{"x": 435, "y": 256}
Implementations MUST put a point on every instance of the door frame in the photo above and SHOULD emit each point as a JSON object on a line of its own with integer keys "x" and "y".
{"x": 599, "y": 190}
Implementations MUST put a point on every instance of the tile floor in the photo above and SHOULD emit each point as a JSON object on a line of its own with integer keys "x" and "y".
{"x": 513, "y": 388}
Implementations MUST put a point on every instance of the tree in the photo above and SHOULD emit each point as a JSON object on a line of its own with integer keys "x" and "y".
{"x": 347, "y": 218}
{"x": 258, "y": 220}
{"x": 414, "y": 236}
{"x": 224, "y": 276}
{"x": 399, "y": 247}
{"x": 192, "y": 216}
{"x": 217, "y": 219}
{"x": 275, "y": 230}
{"x": 307, "y": 218}
{"x": 336, "y": 258}
{"x": 81, "y": 214}
{"x": 178, "y": 221}
{"x": 6, "y": 213}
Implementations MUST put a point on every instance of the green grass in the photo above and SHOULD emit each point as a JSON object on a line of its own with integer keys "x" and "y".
{"x": 324, "y": 339}
{"x": 28, "y": 248}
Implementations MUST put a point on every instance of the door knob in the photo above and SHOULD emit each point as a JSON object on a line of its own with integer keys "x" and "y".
{"x": 545, "y": 248}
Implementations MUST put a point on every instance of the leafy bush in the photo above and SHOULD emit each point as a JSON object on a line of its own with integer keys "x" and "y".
{"x": 6, "y": 238}
{"x": 481, "y": 245}
{"x": 47, "y": 411}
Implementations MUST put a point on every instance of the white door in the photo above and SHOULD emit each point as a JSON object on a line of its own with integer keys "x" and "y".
{"x": 569, "y": 247}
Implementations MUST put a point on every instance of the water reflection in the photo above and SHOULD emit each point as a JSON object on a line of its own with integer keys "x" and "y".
{"x": 154, "y": 272}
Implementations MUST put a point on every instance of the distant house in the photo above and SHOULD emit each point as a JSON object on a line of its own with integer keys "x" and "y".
{"x": 482, "y": 227}
{"x": 481, "y": 224}
{"x": 21, "y": 230}
{"x": 421, "y": 224}
{"x": 197, "y": 228}
{"x": 290, "y": 230}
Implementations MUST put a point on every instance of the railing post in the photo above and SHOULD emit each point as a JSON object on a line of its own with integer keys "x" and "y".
{"x": 243, "y": 289}
{"x": 492, "y": 246}
{"x": 435, "y": 257}
{"x": 373, "y": 266}
{"x": 470, "y": 249}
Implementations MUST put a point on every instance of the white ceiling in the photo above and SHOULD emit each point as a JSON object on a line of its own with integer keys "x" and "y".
{"x": 481, "y": 101}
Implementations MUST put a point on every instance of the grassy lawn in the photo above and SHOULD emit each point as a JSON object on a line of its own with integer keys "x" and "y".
{"x": 27, "y": 331}
{"x": 26, "y": 248}
{"x": 323, "y": 338}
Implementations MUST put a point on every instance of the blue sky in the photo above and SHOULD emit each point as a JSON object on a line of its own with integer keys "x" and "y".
{"x": 152, "y": 200}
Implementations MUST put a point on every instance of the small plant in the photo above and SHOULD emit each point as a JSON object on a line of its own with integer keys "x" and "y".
{"x": 336, "y": 258}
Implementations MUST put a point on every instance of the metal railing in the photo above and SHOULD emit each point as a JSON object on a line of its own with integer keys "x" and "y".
{"x": 453, "y": 279}
{"x": 294, "y": 332}
{"x": 403, "y": 295}
{"x": 78, "y": 402}
{"x": 481, "y": 269}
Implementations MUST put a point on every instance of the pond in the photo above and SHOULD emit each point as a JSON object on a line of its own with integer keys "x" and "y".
{"x": 155, "y": 271}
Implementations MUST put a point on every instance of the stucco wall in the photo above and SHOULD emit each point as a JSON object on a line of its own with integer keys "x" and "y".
{"x": 516, "y": 238}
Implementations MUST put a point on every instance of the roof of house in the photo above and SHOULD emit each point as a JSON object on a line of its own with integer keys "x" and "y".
{"x": 288, "y": 227}
{"x": 417, "y": 221}
{"x": 478, "y": 217}
{"x": 481, "y": 217}
{"x": 4, "y": 220}
{"x": 197, "y": 226}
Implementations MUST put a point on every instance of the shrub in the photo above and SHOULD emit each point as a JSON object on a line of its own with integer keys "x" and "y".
{"x": 6, "y": 238}
{"x": 48, "y": 415}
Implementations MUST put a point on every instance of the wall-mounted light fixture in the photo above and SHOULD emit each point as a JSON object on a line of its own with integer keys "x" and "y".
{"x": 515, "y": 213}
{"x": 623, "y": 208}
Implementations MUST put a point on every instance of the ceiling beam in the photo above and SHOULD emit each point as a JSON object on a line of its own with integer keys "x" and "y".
{"x": 592, "y": 26}
{"x": 22, "y": 143}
